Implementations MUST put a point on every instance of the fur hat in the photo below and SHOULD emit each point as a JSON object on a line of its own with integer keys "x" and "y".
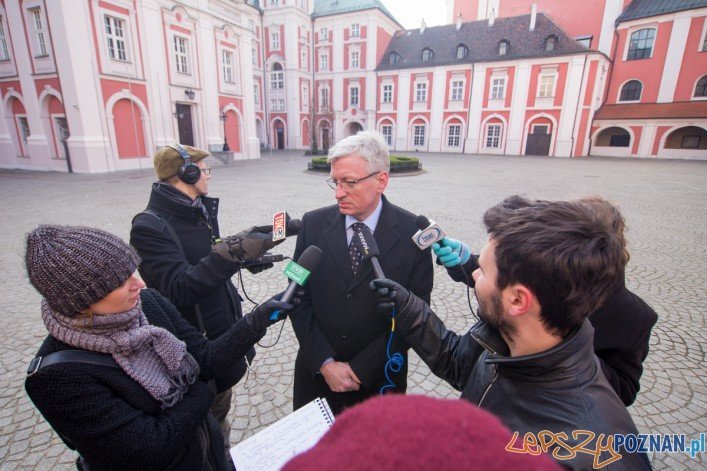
{"x": 167, "y": 160}
{"x": 73, "y": 267}
{"x": 396, "y": 432}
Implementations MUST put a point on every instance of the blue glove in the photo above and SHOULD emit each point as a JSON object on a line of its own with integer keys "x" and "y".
{"x": 451, "y": 252}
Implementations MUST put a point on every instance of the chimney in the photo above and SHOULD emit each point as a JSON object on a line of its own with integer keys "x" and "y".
{"x": 423, "y": 25}
{"x": 459, "y": 20}
{"x": 533, "y": 15}
{"x": 492, "y": 17}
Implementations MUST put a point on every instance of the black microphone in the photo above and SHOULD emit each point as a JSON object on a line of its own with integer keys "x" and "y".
{"x": 366, "y": 243}
{"x": 298, "y": 273}
{"x": 429, "y": 232}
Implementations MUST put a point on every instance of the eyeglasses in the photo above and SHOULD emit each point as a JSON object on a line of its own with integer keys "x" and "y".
{"x": 206, "y": 170}
{"x": 347, "y": 185}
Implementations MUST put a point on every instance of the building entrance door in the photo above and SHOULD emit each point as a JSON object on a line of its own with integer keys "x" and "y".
{"x": 538, "y": 143}
{"x": 184, "y": 124}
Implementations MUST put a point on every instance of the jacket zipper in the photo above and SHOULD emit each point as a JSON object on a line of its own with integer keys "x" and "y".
{"x": 495, "y": 375}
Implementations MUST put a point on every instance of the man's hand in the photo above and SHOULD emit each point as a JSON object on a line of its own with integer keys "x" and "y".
{"x": 451, "y": 252}
{"x": 340, "y": 377}
{"x": 249, "y": 244}
{"x": 389, "y": 295}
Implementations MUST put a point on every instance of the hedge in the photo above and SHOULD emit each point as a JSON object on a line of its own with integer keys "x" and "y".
{"x": 398, "y": 164}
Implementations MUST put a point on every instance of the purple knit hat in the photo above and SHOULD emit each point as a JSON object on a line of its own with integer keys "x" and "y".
{"x": 73, "y": 267}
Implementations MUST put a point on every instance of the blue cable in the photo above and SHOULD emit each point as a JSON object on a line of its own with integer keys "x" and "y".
{"x": 394, "y": 363}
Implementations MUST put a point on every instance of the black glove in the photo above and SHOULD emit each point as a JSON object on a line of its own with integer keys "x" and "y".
{"x": 249, "y": 244}
{"x": 259, "y": 317}
{"x": 389, "y": 295}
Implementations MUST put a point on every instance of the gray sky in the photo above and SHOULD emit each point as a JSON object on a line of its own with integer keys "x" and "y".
{"x": 411, "y": 12}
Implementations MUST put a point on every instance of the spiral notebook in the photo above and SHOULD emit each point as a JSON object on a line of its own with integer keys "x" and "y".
{"x": 296, "y": 433}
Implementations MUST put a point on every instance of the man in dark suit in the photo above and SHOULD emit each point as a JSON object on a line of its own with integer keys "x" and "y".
{"x": 343, "y": 341}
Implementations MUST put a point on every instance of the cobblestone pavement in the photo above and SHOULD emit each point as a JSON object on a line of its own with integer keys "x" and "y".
{"x": 663, "y": 202}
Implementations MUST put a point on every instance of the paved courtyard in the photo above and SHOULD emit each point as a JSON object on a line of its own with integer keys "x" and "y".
{"x": 664, "y": 203}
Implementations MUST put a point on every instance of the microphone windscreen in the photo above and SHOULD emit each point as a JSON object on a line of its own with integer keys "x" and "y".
{"x": 422, "y": 222}
{"x": 294, "y": 226}
{"x": 309, "y": 259}
{"x": 366, "y": 243}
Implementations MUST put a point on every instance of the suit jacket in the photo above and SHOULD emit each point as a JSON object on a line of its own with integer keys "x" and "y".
{"x": 338, "y": 317}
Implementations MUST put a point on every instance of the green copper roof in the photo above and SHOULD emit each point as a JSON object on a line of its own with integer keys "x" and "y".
{"x": 333, "y": 7}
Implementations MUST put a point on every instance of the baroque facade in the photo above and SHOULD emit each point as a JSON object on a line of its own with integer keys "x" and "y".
{"x": 106, "y": 82}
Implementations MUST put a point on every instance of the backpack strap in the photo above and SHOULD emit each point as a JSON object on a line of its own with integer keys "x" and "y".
{"x": 73, "y": 356}
{"x": 164, "y": 225}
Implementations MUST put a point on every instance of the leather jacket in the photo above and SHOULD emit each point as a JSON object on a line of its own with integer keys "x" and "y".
{"x": 558, "y": 390}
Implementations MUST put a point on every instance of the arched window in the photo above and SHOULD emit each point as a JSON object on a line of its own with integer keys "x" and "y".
{"x": 427, "y": 54}
{"x": 277, "y": 77}
{"x": 503, "y": 47}
{"x": 550, "y": 42}
{"x": 462, "y": 51}
{"x": 631, "y": 91}
{"x": 641, "y": 44}
{"x": 701, "y": 87}
{"x": 393, "y": 58}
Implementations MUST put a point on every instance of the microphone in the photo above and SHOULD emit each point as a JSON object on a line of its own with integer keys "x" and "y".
{"x": 283, "y": 226}
{"x": 366, "y": 243}
{"x": 429, "y": 233}
{"x": 298, "y": 273}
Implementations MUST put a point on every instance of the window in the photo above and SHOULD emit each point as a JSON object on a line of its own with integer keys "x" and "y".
{"x": 323, "y": 34}
{"x": 641, "y": 44}
{"x": 277, "y": 79}
{"x": 462, "y": 51}
{"x": 387, "y": 93}
{"x": 427, "y": 54}
{"x": 24, "y": 127}
{"x": 256, "y": 94}
{"x": 277, "y": 104}
{"x": 355, "y": 30}
{"x": 418, "y": 135}
{"x": 180, "y": 54}
{"x": 39, "y": 32}
{"x": 503, "y": 47}
{"x": 454, "y": 135}
{"x": 620, "y": 140}
{"x": 701, "y": 87}
{"x": 304, "y": 60}
{"x": 631, "y": 91}
{"x": 387, "y": 132}
{"x": 498, "y": 88}
{"x": 354, "y": 59}
{"x": 457, "y": 90}
{"x": 324, "y": 62}
{"x": 353, "y": 96}
{"x": 275, "y": 41}
{"x": 420, "y": 92}
{"x": 4, "y": 52}
{"x": 493, "y": 136}
{"x": 550, "y": 43}
{"x": 690, "y": 142}
{"x": 546, "y": 87}
{"x": 324, "y": 102}
{"x": 227, "y": 61}
{"x": 305, "y": 96}
{"x": 584, "y": 41}
{"x": 254, "y": 56}
{"x": 393, "y": 58}
{"x": 115, "y": 37}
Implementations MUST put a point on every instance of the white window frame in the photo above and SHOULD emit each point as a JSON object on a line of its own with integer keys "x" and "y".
{"x": 456, "y": 90}
{"x": 420, "y": 92}
{"x": 305, "y": 97}
{"x": 116, "y": 39}
{"x": 254, "y": 55}
{"x": 39, "y": 33}
{"x": 355, "y": 30}
{"x": 277, "y": 79}
{"x": 387, "y": 93}
{"x": 354, "y": 59}
{"x": 702, "y": 45}
{"x": 324, "y": 62}
{"x": 256, "y": 93}
{"x": 387, "y": 133}
{"x": 304, "y": 58}
{"x": 354, "y": 98}
{"x": 497, "y": 88}
{"x": 275, "y": 40}
{"x": 419, "y": 132}
{"x": 454, "y": 139}
{"x": 546, "y": 89}
{"x": 629, "y": 33}
{"x": 640, "y": 95}
{"x": 180, "y": 49}
{"x": 4, "y": 49}
{"x": 324, "y": 34}
{"x": 496, "y": 136}
{"x": 227, "y": 63}
{"x": 324, "y": 99}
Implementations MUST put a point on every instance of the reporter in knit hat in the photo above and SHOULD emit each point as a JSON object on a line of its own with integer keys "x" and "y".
{"x": 409, "y": 432}
{"x": 167, "y": 160}
{"x": 74, "y": 267}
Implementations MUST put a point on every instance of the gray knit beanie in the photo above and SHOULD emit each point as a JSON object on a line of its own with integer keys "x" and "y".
{"x": 73, "y": 267}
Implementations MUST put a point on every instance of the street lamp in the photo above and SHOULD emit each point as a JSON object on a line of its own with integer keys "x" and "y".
{"x": 223, "y": 118}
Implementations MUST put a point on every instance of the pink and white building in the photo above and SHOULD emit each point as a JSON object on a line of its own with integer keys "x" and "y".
{"x": 109, "y": 81}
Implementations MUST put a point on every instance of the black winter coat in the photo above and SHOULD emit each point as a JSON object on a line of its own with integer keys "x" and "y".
{"x": 560, "y": 390}
{"x": 115, "y": 423}
{"x": 622, "y": 331}
{"x": 196, "y": 280}
{"x": 338, "y": 317}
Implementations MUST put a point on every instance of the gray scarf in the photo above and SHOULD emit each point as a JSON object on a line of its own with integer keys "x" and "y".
{"x": 150, "y": 355}
{"x": 177, "y": 197}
